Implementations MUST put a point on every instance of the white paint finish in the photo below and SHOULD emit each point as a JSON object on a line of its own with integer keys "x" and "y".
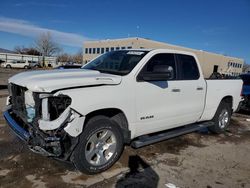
{"x": 7, "y": 100}
{"x": 216, "y": 91}
{"x": 135, "y": 99}
{"x": 170, "y": 109}
{"x": 48, "y": 81}
{"x": 74, "y": 128}
{"x": 45, "y": 113}
{"x": 16, "y": 64}
{"x": 122, "y": 96}
{"x": 28, "y": 98}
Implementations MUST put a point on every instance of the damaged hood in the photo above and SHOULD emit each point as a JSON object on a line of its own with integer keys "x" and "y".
{"x": 50, "y": 80}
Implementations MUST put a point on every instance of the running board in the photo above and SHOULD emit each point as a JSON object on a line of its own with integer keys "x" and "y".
{"x": 150, "y": 139}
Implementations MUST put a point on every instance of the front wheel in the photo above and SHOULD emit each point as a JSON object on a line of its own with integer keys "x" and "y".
{"x": 222, "y": 118}
{"x": 99, "y": 147}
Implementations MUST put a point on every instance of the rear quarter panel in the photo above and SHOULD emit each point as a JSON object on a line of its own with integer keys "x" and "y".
{"x": 216, "y": 91}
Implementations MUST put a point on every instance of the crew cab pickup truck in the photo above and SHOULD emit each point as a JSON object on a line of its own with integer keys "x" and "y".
{"x": 135, "y": 97}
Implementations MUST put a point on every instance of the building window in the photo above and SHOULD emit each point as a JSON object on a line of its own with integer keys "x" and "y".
{"x": 117, "y": 48}
{"x": 129, "y": 47}
{"x": 86, "y": 50}
{"x": 102, "y": 50}
{"x": 123, "y": 48}
{"x": 112, "y": 49}
{"x": 141, "y": 47}
{"x": 97, "y": 50}
{"x": 93, "y": 50}
{"x": 107, "y": 49}
{"x": 90, "y": 50}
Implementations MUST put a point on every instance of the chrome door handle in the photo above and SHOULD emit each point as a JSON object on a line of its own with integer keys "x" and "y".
{"x": 199, "y": 88}
{"x": 176, "y": 90}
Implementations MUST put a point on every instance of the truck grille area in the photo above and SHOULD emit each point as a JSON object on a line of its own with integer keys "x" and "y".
{"x": 18, "y": 101}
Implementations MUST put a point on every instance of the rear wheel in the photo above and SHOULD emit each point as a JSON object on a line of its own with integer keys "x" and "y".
{"x": 99, "y": 147}
{"x": 222, "y": 118}
{"x": 8, "y": 66}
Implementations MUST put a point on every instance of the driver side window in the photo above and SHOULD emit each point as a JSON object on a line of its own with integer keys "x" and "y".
{"x": 160, "y": 64}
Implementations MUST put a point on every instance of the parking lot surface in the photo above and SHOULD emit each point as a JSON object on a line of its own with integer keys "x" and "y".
{"x": 194, "y": 160}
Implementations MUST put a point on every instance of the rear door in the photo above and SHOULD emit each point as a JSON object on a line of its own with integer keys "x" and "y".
{"x": 192, "y": 88}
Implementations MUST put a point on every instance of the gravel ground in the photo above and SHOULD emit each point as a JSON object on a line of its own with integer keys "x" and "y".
{"x": 194, "y": 160}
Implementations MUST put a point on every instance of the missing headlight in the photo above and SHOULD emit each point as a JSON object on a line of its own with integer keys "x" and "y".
{"x": 57, "y": 105}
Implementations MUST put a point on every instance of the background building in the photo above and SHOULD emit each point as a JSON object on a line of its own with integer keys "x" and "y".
{"x": 210, "y": 62}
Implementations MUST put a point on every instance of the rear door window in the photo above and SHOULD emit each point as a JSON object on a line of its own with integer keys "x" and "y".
{"x": 188, "y": 67}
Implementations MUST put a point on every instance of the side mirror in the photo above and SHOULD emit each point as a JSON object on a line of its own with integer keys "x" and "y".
{"x": 159, "y": 73}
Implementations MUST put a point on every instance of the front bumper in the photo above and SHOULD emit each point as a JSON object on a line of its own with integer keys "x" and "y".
{"x": 18, "y": 130}
{"x": 60, "y": 146}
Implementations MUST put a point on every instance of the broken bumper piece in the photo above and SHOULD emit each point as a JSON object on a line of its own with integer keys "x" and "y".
{"x": 19, "y": 131}
{"x": 44, "y": 145}
{"x": 70, "y": 119}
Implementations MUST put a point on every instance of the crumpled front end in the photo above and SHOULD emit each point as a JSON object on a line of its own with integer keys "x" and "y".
{"x": 45, "y": 121}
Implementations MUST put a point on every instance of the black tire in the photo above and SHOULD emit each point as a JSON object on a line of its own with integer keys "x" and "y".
{"x": 26, "y": 67}
{"x": 219, "y": 127}
{"x": 93, "y": 127}
{"x": 8, "y": 66}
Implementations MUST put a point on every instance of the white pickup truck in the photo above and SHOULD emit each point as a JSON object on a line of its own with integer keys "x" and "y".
{"x": 135, "y": 97}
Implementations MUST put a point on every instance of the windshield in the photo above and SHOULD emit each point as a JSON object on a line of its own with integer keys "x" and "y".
{"x": 119, "y": 62}
{"x": 246, "y": 79}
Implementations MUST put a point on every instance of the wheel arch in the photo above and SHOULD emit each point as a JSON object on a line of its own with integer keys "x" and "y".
{"x": 117, "y": 116}
{"x": 228, "y": 99}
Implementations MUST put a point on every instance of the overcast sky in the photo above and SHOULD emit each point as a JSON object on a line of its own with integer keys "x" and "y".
{"x": 221, "y": 26}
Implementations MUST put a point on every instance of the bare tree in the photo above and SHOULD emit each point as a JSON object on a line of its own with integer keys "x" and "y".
{"x": 19, "y": 49}
{"x": 27, "y": 51}
{"x": 75, "y": 58}
{"x": 64, "y": 57}
{"x": 78, "y": 57}
{"x": 46, "y": 45}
